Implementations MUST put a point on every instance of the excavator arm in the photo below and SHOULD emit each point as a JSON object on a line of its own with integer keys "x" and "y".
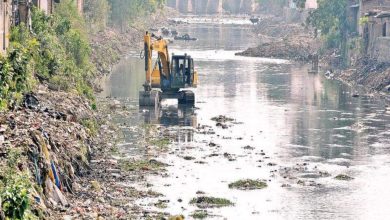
{"x": 161, "y": 69}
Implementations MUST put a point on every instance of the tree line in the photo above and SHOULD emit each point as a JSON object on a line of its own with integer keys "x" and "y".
{"x": 117, "y": 13}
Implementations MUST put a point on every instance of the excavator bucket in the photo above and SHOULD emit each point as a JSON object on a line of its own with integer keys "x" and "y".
{"x": 149, "y": 98}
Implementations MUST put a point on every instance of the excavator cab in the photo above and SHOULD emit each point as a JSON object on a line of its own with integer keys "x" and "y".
{"x": 182, "y": 72}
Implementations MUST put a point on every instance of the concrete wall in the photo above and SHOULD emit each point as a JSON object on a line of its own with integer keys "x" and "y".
{"x": 381, "y": 49}
{"x": 377, "y": 39}
{"x": 369, "y": 5}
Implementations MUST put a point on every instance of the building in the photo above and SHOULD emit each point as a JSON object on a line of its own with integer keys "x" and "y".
{"x": 311, "y": 4}
{"x": 376, "y": 36}
{"x": 14, "y": 12}
{"x": 5, "y": 23}
{"x": 48, "y": 5}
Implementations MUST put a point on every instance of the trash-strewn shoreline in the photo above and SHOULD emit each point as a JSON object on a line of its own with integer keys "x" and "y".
{"x": 64, "y": 147}
{"x": 296, "y": 42}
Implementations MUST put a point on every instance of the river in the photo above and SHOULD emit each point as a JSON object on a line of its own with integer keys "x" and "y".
{"x": 293, "y": 121}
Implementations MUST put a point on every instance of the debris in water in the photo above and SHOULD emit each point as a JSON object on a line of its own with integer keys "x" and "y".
{"x": 355, "y": 95}
{"x": 248, "y": 147}
{"x": 210, "y": 202}
{"x": 189, "y": 158}
{"x": 145, "y": 165}
{"x": 343, "y": 177}
{"x": 248, "y": 184}
{"x": 199, "y": 214}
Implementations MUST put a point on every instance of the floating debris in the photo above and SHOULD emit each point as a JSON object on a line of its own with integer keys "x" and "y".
{"x": 343, "y": 177}
{"x": 189, "y": 158}
{"x": 248, "y": 184}
{"x": 210, "y": 202}
{"x": 199, "y": 214}
{"x": 136, "y": 165}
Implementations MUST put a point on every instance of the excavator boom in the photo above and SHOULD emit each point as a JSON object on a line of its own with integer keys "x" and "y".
{"x": 162, "y": 67}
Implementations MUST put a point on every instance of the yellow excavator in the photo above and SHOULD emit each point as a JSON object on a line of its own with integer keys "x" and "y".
{"x": 168, "y": 79}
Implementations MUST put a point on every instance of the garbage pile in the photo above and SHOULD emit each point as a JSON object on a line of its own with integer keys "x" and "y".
{"x": 286, "y": 49}
{"x": 374, "y": 75}
{"x": 281, "y": 40}
{"x": 48, "y": 130}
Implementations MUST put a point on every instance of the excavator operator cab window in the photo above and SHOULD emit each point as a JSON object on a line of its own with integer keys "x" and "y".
{"x": 190, "y": 71}
{"x": 183, "y": 68}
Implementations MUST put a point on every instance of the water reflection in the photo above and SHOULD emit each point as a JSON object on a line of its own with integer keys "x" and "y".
{"x": 182, "y": 120}
{"x": 170, "y": 115}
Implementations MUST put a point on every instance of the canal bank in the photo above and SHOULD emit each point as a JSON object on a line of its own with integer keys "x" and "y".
{"x": 277, "y": 38}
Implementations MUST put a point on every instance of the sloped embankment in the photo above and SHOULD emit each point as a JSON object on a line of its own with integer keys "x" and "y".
{"x": 285, "y": 49}
{"x": 374, "y": 76}
{"x": 281, "y": 40}
{"x": 46, "y": 144}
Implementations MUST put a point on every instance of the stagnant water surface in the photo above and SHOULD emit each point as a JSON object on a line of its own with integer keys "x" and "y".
{"x": 280, "y": 110}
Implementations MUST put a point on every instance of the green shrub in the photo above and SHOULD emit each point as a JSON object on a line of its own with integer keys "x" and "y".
{"x": 55, "y": 51}
{"x": 14, "y": 197}
{"x": 14, "y": 188}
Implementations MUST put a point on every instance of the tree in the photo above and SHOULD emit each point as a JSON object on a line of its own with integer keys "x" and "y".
{"x": 123, "y": 12}
{"x": 272, "y": 5}
{"x": 300, "y": 3}
{"x": 331, "y": 19}
{"x": 96, "y": 13}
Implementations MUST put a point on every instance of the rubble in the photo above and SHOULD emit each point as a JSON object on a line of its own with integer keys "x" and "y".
{"x": 285, "y": 49}
{"x": 373, "y": 75}
{"x": 281, "y": 40}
